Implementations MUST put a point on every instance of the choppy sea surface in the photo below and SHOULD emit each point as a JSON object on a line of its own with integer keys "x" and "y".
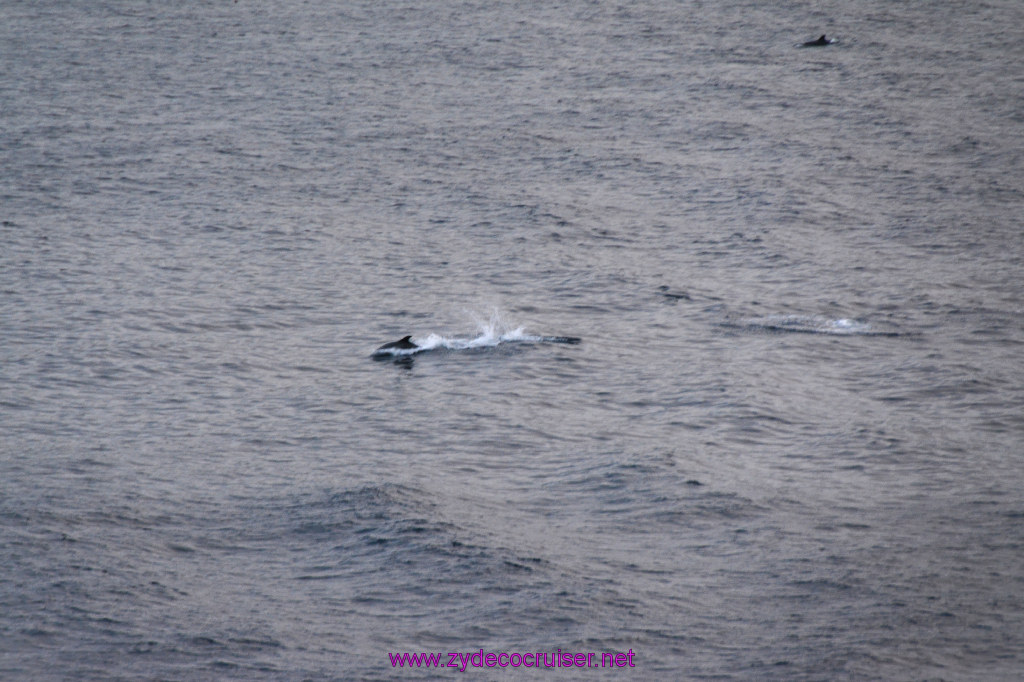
{"x": 788, "y": 445}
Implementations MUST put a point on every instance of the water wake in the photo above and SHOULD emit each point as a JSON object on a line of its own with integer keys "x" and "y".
{"x": 491, "y": 333}
{"x": 813, "y": 324}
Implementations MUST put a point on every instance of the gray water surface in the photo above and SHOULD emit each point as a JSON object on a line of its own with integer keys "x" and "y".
{"x": 788, "y": 446}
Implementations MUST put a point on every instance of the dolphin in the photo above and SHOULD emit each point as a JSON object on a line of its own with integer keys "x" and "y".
{"x": 572, "y": 340}
{"x": 820, "y": 42}
{"x": 403, "y": 343}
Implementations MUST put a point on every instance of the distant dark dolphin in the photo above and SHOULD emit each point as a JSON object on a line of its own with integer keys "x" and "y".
{"x": 820, "y": 42}
{"x": 403, "y": 343}
{"x": 571, "y": 340}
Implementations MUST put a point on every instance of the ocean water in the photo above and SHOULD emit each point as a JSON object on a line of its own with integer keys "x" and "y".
{"x": 788, "y": 445}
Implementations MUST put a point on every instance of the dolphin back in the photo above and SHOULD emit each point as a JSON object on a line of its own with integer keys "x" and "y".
{"x": 405, "y": 343}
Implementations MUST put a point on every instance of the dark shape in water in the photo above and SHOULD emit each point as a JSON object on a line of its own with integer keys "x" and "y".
{"x": 389, "y": 351}
{"x": 403, "y": 343}
{"x": 820, "y": 42}
{"x": 572, "y": 340}
{"x": 673, "y": 295}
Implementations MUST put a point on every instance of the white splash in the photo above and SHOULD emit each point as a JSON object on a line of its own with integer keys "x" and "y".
{"x": 810, "y": 324}
{"x": 491, "y": 332}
